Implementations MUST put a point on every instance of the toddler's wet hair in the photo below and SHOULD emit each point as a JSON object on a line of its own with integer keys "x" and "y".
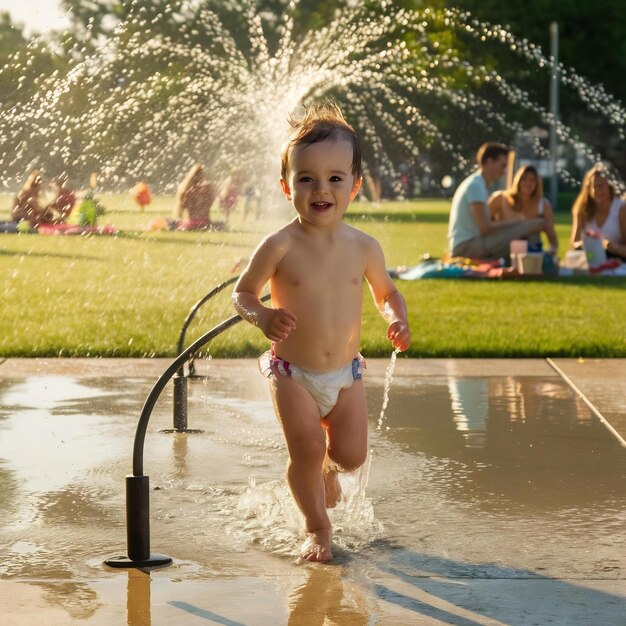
{"x": 320, "y": 122}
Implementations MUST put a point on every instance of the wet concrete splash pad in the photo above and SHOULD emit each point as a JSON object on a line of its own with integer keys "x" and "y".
{"x": 495, "y": 496}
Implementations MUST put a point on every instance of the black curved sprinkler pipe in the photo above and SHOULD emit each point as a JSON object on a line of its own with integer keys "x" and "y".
{"x": 138, "y": 485}
{"x": 180, "y": 380}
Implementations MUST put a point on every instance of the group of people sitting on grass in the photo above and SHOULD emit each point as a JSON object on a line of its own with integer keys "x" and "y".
{"x": 29, "y": 208}
{"x": 53, "y": 204}
{"x": 482, "y": 224}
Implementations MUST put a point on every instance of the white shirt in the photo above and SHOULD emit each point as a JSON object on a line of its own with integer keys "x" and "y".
{"x": 610, "y": 229}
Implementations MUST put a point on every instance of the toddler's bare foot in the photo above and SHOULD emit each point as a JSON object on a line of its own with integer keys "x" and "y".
{"x": 332, "y": 488}
{"x": 317, "y": 546}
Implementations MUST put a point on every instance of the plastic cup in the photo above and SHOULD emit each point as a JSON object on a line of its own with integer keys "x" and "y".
{"x": 596, "y": 254}
{"x": 519, "y": 246}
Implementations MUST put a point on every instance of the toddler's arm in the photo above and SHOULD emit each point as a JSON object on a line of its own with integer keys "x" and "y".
{"x": 388, "y": 299}
{"x": 395, "y": 313}
{"x": 276, "y": 324}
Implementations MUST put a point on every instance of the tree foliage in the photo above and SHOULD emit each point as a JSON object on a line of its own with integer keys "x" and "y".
{"x": 592, "y": 34}
{"x": 592, "y": 44}
{"x": 460, "y": 82}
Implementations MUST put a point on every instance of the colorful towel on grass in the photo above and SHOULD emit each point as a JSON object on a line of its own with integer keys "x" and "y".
{"x": 72, "y": 229}
{"x": 15, "y": 228}
{"x": 611, "y": 267}
{"x": 459, "y": 267}
{"x": 451, "y": 268}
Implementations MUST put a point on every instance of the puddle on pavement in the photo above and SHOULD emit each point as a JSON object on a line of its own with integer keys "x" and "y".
{"x": 475, "y": 477}
{"x": 503, "y": 466}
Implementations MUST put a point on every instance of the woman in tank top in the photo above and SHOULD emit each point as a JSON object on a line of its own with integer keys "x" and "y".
{"x": 599, "y": 212}
{"x": 524, "y": 200}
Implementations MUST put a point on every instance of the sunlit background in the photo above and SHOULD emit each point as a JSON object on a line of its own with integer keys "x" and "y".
{"x": 36, "y": 15}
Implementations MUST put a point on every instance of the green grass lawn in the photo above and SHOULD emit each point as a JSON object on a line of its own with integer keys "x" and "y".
{"x": 128, "y": 295}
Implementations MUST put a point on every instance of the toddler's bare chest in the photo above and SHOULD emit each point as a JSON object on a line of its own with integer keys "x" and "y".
{"x": 318, "y": 270}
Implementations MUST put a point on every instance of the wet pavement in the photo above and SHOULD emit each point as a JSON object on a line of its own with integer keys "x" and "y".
{"x": 496, "y": 495}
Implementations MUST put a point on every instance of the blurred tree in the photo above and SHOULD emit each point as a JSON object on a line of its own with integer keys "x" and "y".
{"x": 24, "y": 66}
{"x": 440, "y": 91}
{"x": 11, "y": 37}
{"x": 592, "y": 42}
{"x": 592, "y": 34}
{"x": 12, "y": 45}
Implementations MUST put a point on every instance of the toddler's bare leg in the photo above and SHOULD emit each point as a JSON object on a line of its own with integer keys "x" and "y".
{"x": 346, "y": 426}
{"x": 306, "y": 441}
{"x": 332, "y": 488}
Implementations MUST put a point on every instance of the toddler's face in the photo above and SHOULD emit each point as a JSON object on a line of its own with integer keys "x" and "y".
{"x": 321, "y": 184}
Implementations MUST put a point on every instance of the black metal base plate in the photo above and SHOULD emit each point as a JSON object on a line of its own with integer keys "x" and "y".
{"x": 123, "y": 562}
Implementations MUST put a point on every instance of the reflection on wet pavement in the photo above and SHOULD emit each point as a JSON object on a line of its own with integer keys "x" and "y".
{"x": 475, "y": 480}
{"x": 523, "y": 440}
{"x": 514, "y": 468}
{"x": 327, "y": 594}
{"x": 138, "y": 598}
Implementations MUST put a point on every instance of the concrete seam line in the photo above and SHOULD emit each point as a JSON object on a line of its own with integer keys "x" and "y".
{"x": 595, "y": 411}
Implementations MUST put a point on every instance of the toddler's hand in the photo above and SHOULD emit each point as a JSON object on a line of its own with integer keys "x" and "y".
{"x": 278, "y": 324}
{"x": 399, "y": 335}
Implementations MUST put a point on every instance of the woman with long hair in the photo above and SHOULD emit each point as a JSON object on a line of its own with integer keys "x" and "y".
{"x": 194, "y": 199}
{"x": 524, "y": 200}
{"x": 599, "y": 212}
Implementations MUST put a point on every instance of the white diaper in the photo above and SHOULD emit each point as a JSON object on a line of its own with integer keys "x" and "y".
{"x": 323, "y": 386}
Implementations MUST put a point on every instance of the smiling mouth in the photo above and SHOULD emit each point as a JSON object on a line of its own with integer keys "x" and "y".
{"x": 321, "y": 206}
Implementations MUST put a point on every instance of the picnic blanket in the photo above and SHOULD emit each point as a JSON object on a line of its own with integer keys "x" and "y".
{"x": 459, "y": 267}
{"x": 16, "y": 228}
{"x": 73, "y": 229}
